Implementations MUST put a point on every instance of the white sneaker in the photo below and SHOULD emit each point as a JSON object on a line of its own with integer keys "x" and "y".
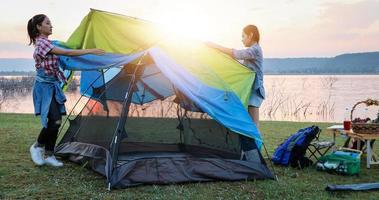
{"x": 52, "y": 161}
{"x": 37, "y": 154}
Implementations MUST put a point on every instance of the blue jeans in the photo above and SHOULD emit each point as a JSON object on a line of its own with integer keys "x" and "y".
{"x": 247, "y": 143}
{"x": 48, "y": 136}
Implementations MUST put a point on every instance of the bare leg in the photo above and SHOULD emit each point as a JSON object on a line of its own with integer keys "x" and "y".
{"x": 248, "y": 151}
{"x": 254, "y": 114}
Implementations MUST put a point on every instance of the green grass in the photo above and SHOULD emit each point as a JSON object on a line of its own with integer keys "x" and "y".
{"x": 20, "y": 178}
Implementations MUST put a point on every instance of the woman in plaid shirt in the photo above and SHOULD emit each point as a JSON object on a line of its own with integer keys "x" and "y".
{"x": 48, "y": 97}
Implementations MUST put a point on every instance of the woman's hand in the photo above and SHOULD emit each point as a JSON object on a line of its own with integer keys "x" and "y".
{"x": 76, "y": 52}
{"x": 211, "y": 44}
{"x": 97, "y": 51}
{"x": 225, "y": 50}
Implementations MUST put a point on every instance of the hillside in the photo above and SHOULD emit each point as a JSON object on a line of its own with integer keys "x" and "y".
{"x": 354, "y": 63}
{"x": 16, "y": 64}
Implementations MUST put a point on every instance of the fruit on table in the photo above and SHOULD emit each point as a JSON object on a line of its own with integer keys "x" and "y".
{"x": 359, "y": 120}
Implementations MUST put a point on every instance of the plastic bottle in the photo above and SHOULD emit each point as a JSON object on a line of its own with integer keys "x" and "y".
{"x": 347, "y": 121}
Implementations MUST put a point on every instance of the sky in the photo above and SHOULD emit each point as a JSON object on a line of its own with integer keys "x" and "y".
{"x": 288, "y": 28}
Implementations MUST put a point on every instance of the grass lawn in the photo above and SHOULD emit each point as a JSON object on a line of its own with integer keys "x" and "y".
{"x": 21, "y": 179}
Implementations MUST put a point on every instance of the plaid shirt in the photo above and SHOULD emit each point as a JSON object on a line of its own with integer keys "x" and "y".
{"x": 46, "y": 60}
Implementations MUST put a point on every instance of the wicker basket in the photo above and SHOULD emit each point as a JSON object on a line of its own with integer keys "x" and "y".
{"x": 365, "y": 128}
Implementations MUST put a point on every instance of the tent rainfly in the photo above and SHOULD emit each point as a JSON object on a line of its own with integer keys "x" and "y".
{"x": 119, "y": 132}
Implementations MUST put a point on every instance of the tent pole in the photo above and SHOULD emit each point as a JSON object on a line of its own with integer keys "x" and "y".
{"x": 270, "y": 160}
{"x": 119, "y": 133}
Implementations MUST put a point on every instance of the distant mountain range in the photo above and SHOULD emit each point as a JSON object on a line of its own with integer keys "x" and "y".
{"x": 16, "y": 65}
{"x": 354, "y": 63}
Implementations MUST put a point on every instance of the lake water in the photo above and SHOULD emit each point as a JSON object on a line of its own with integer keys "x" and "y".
{"x": 318, "y": 98}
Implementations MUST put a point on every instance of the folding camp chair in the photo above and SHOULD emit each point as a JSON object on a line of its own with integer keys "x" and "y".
{"x": 318, "y": 148}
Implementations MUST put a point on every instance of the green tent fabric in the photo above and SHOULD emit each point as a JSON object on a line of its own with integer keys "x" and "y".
{"x": 121, "y": 34}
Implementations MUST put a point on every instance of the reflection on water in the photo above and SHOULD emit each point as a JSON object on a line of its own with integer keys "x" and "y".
{"x": 292, "y": 98}
{"x": 317, "y": 97}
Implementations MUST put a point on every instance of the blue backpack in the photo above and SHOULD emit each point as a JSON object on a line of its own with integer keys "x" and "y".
{"x": 292, "y": 150}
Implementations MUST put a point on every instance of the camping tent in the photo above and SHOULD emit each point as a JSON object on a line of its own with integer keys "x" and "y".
{"x": 116, "y": 132}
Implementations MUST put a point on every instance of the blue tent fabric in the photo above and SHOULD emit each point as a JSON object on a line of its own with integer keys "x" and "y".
{"x": 96, "y": 62}
{"x": 153, "y": 85}
{"x": 222, "y": 105}
{"x": 228, "y": 111}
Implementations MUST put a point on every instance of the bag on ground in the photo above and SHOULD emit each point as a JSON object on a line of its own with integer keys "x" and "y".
{"x": 292, "y": 150}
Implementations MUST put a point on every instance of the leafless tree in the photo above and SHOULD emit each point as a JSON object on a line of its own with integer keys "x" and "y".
{"x": 328, "y": 81}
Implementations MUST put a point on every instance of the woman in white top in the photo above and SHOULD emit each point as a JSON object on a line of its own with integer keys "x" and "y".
{"x": 252, "y": 58}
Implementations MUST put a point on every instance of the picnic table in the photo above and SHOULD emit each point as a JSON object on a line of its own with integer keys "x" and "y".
{"x": 372, "y": 157}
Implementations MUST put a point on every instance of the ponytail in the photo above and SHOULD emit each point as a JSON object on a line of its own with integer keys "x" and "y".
{"x": 33, "y": 32}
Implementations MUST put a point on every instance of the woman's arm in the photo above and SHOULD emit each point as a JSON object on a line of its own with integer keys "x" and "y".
{"x": 75, "y": 52}
{"x": 225, "y": 50}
